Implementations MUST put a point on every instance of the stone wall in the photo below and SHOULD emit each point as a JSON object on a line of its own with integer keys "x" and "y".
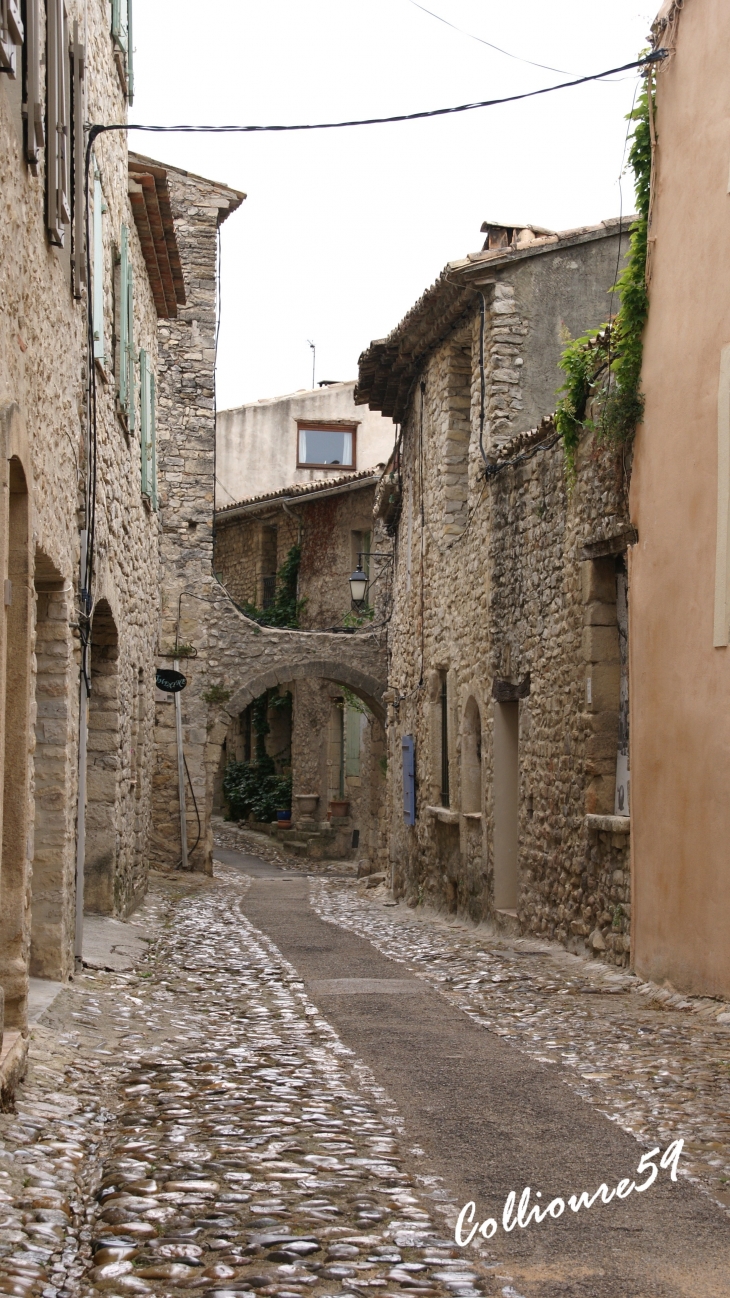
{"x": 326, "y": 529}
{"x": 229, "y": 659}
{"x": 44, "y": 382}
{"x": 505, "y": 598}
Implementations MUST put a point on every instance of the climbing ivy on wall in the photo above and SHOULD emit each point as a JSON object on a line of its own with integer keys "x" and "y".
{"x": 286, "y": 608}
{"x": 607, "y": 363}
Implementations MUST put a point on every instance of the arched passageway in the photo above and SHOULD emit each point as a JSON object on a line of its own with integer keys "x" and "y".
{"x": 16, "y": 751}
{"x": 54, "y": 762}
{"x": 103, "y": 765}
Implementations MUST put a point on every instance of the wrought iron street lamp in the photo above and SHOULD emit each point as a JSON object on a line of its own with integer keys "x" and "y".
{"x": 359, "y": 586}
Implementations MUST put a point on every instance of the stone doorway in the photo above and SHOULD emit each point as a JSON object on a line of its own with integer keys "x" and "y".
{"x": 103, "y": 765}
{"x": 52, "y": 917}
{"x": 506, "y": 804}
{"x": 16, "y": 774}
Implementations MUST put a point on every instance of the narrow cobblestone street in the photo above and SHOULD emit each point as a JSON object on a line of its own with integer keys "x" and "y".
{"x": 209, "y": 1121}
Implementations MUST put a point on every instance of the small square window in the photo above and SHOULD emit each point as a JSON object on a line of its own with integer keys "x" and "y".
{"x": 326, "y": 446}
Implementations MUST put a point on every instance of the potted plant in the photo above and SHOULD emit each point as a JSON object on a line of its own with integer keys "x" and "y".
{"x": 339, "y": 807}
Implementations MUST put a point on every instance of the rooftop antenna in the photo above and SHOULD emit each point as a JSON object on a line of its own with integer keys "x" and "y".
{"x": 314, "y": 357}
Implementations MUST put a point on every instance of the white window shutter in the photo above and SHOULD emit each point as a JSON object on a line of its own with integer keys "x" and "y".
{"x": 130, "y": 347}
{"x": 130, "y": 54}
{"x": 11, "y": 36}
{"x": 57, "y": 158}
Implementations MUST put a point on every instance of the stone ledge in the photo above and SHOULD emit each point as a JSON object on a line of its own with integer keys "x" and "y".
{"x": 444, "y": 814}
{"x": 609, "y": 824}
{"x": 13, "y": 1058}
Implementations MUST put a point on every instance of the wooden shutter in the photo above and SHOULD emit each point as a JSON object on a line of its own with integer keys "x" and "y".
{"x": 153, "y": 442}
{"x": 33, "y": 106}
{"x": 409, "y": 780}
{"x": 11, "y": 36}
{"x": 130, "y": 345}
{"x": 144, "y": 419}
{"x": 78, "y": 63}
{"x": 123, "y": 317}
{"x": 122, "y": 37}
{"x": 98, "y": 267}
{"x": 58, "y": 212}
{"x": 130, "y": 54}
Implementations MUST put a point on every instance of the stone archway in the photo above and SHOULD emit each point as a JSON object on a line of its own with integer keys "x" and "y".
{"x": 366, "y": 686}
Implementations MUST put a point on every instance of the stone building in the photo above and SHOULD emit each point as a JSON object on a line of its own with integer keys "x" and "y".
{"x": 79, "y": 531}
{"x": 332, "y": 744}
{"x": 308, "y": 436}
{"x": 680, "y": 506}
{"x": 506, "y": 666}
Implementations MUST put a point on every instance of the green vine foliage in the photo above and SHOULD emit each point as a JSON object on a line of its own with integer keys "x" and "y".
{"x": 286, "y": 608}
{"x": 606, "y": 364}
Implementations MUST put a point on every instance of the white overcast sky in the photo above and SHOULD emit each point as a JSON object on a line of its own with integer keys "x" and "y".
{"x": 343, "y": 230}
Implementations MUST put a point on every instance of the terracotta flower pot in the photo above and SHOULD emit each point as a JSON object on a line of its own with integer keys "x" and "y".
{"x": 339, "y": 807}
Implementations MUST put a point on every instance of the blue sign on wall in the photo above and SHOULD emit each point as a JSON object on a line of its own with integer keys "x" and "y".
{"x": 409, "y": 780}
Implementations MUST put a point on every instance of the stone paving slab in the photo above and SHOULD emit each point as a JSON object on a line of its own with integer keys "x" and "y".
{"x": 196, "y": 1124}
{"x": 112, "y": 944}
{"x": 654, "y": 1062}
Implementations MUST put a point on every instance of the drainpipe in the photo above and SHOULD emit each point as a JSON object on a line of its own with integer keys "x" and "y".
{"x": 83, "y": 737}
{"x": 181, "y": 774}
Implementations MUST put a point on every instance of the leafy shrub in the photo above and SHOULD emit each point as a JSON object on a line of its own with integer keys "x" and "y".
{"x": 254, "y": 788}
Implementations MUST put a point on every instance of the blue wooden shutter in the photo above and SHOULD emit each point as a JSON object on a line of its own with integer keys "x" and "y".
{"x": 409, "y": 780}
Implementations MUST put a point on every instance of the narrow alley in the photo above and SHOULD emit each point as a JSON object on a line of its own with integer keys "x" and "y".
{"x": 280, "y": 1099}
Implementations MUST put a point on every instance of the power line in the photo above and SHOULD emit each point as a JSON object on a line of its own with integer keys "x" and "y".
{"x": 482, "y": 41}
{"x": 655, "y": 57}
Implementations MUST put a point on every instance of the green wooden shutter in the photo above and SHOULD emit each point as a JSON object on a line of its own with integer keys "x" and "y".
{"x": 123, "y": 375}
{"x": 130, "y": 54}
{"x": 130, "y": 346}
{"x": 98, "y": 289}
{"x": 153, "y": 443}
{"x": 353, "y": 730}
{"x": 144, "y": 419}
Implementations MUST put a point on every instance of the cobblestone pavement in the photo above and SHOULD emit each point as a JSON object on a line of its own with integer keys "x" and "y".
{"x": 197, "y": 1124}
{"x": 653, "y": 1061}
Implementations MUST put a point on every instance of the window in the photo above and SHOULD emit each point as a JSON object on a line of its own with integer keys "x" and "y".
{"x": 125, "y": 332}
{"x": 100, "y": 208}
{"x": 11, "y": 35}
{"x": 124, "y": 45}
{"x": 444, "y": 743}
{"x": 147, "y": 429}
{"x": 353, "y": 733}
{"x": 58, "y": 211}
{"x": 324, "y": 446}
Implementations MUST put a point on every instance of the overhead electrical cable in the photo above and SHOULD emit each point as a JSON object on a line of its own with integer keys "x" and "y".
{"x": 472, "y": 36}
{"x": 655, "y": 57}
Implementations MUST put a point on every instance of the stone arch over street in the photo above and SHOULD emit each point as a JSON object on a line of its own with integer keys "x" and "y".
{"x": 366, "y": 686}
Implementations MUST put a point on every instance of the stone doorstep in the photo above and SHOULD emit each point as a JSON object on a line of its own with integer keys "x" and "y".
{"x": 609, "y": 824}
{"x": 13, "y": 1057}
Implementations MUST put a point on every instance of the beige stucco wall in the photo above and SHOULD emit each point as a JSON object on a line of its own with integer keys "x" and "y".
{"x": 680, "y": 718}
{"x": 256, "y": 445}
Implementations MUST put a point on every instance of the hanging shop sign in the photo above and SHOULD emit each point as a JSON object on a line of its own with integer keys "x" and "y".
{"x": 170, "y": 681}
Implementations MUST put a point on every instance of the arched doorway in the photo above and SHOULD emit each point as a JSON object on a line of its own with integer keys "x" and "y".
{"x": 103, "y": 765}
{"x": 16, "y": 752}
{"x": 471, "y": 759}
{"x": 52, "y": 919}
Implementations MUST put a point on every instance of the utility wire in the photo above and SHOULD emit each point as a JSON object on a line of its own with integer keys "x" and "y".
{"x": 481, "y": 40}
{"x": 655, "y": 57}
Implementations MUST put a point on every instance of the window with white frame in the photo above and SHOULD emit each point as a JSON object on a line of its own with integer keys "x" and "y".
{"x": 325, "y": 446}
